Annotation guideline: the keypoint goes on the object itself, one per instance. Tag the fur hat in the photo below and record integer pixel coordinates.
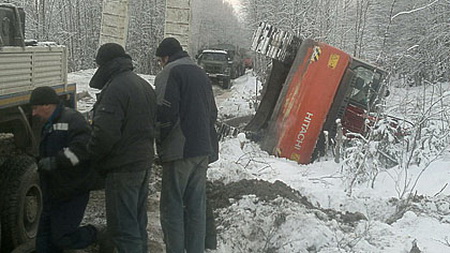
(109, 51)
(168, 47)
(44, 96)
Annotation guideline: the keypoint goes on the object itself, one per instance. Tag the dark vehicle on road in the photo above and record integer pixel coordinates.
(217, 64)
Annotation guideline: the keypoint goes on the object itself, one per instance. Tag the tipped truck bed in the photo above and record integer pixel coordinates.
(305, 101)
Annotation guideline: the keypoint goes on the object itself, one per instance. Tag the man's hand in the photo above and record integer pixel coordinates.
(47, 164)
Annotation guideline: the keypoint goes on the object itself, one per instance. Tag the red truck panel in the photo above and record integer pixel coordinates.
(311, 90)
(353, 120)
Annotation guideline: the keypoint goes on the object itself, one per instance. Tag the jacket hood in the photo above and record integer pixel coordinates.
(106, 71)
(178, 55)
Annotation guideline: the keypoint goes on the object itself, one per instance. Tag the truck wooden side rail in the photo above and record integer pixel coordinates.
(115, 19)
(177, 21)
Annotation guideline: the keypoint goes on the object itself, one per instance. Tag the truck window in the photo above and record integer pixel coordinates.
(214, 57)
(365, 87)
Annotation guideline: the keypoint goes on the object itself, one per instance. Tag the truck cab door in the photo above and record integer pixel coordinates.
(366, 87)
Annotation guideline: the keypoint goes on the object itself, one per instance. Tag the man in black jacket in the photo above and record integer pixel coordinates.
(186, 115)
(121, 146)
(65, 174)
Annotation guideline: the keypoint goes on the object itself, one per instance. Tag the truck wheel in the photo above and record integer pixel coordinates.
(226, 83)
(241, 70)
(233, 73)
(21, 202)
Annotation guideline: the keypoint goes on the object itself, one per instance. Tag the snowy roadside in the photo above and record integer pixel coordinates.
(426, 222)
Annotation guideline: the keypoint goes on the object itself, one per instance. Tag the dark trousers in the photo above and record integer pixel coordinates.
(59, 224)
(126, 210)
(183, 205)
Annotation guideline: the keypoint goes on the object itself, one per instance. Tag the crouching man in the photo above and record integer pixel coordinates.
(64, 173)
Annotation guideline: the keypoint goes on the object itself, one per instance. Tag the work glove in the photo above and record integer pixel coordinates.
(47, 164)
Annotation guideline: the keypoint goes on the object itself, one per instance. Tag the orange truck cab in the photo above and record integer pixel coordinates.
(322, 84)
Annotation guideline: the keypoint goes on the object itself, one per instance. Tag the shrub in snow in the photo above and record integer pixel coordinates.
(393, 142)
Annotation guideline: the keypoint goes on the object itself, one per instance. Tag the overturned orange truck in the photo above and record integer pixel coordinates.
(311, 87)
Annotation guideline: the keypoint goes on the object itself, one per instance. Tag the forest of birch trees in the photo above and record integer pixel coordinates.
(410, 39)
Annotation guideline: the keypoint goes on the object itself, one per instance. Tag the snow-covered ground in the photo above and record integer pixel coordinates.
(281, 225)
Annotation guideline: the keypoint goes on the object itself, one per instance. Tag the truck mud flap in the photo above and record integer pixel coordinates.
(271, 93)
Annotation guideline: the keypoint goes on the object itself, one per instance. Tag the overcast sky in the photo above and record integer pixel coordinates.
(236, 4)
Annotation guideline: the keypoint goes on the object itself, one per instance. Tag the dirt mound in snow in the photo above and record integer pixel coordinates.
(220, 196)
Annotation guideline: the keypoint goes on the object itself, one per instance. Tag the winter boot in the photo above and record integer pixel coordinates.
(104, 241)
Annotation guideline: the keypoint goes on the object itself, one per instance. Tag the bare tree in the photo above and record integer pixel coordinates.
(215, 21)
(145, 31)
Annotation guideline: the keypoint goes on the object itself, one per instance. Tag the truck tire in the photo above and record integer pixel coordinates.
(21, 202)
(241, 70)
(226, 83)
(233, 73)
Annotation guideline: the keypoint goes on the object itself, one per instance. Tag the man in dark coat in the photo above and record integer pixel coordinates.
(65, 174)
(121, 146)
(186, 142)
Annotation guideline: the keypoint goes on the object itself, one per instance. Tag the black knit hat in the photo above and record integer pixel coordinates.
(44, 96)
(168, 47)
(109, 51)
